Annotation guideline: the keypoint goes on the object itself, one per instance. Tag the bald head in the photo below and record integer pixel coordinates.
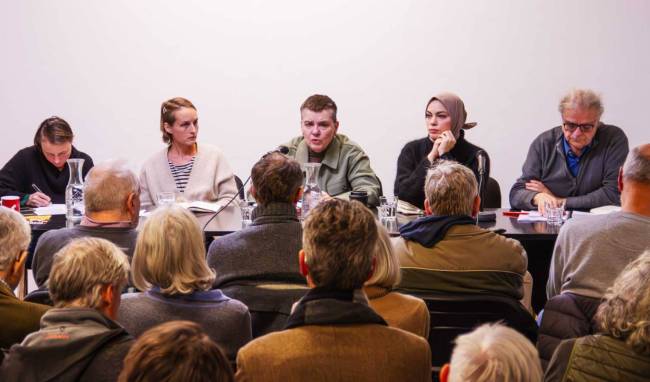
(634, 181)
(637, 165)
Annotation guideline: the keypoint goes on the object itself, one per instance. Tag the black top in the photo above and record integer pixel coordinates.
(412, 166)
(29, 166)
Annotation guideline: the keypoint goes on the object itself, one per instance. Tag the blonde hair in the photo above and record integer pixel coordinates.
(15, 235)
(450, 189)
(624, 313)
(339, 240)
(167, 110)
(82, 268)
(387, 273)
(170, 253)
(583, 99)
(494, 352)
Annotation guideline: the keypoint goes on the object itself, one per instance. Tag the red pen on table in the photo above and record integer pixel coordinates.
(514, 214)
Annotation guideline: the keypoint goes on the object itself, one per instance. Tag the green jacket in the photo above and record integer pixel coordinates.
(597, 358)
(345, 168)
(17, 318)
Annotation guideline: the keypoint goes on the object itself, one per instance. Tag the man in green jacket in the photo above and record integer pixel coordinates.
(345, 167)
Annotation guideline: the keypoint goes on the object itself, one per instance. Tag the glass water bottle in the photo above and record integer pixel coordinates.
(74, 191)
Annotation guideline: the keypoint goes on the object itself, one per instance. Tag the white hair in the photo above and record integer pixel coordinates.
(637, 165)
(108, 186)
(450, 189)
(15, 235)
(494, 352)
(584, 99)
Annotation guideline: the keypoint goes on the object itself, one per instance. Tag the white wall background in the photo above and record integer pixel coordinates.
(247, 65)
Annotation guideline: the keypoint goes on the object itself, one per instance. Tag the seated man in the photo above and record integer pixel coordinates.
(112, 201)
(447, 252)
(576, 163)
(332, 334)
(268, 249)
(17, 318)
(493, 352)
(38, 174)
(78, 340)
(345, 167)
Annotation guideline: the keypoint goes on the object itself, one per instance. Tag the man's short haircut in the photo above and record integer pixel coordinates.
(637, 165)
(167, 110)
(494, 352)
(318, 103)
(55, 130)
(583, 99)
(82, 267)
(623, 314)
(450, 189)
(339, 241)
(108, 186)
(15, 235)
(276, 178)
(170, 253)
(175, 351)
(387, 273)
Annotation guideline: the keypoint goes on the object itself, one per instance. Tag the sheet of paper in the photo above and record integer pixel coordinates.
(52, 209)
(532, 216)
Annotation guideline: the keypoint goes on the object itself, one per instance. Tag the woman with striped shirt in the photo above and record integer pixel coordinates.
(190, 170)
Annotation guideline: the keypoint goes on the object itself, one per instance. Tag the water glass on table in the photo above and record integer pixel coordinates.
(166, 198)
(246, 208)
(387, 209)
(554, 212)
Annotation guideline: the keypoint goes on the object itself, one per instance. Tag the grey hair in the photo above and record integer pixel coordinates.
(387, 273)
(584, 99)
(15, 235)
(170, 253)
(623, 314)
(82, 268)
(108, 186)
(450, 189)
(494, 352)
(637, 165)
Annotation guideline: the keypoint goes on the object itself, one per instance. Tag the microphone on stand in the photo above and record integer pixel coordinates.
(284, 150)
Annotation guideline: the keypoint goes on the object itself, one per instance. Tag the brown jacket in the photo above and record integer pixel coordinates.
(17, 318)
(400, 310)
(359, 352)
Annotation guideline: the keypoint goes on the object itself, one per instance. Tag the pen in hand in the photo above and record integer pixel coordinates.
(42, 197)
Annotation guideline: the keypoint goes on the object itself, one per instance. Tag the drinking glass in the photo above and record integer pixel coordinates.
(554, 212)
(165, 198)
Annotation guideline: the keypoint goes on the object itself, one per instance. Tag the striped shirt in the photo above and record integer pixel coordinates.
(181, 173)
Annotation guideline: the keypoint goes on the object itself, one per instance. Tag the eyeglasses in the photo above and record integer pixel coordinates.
(585, 127)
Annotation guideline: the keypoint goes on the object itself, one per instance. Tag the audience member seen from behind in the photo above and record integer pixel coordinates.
(446, 252)
(169, 266)
(621, 351)
(345, 167)
(267, 250)
(399, 310)
(492, 352)
(189, 170)
(112, 207)
(17, 318)
(43, 165)
(79, 339)
(444, 119)
(575, 163)
(175, 351)
(332, 333)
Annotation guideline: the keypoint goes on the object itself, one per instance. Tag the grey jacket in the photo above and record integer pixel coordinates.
(345, 168)
(265, 251)
(596, 183)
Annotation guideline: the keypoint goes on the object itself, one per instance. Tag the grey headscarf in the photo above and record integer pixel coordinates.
(456, 109)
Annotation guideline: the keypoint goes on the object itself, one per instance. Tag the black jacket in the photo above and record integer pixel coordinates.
(29, 166)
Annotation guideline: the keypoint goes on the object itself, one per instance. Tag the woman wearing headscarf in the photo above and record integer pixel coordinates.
(445, 120)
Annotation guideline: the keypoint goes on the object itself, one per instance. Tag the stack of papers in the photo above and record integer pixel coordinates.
(531, 216)
(52, 209)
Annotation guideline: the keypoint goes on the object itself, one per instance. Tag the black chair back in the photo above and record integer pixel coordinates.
(39, 296)
(492, 194)
(453, 315)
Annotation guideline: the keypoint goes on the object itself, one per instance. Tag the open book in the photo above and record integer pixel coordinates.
(198, 206)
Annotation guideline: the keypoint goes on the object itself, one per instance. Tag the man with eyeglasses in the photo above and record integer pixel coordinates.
(575, 164)
(345, 167)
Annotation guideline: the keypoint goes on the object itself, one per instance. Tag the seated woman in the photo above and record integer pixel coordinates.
(621, 352)
(445, 122)
(169, 265)
(399, 310)
(43, 165)
(191, 171)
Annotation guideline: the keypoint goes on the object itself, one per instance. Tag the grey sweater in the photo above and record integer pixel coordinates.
(590, 252)
(51, 241)
(267, 250)
(596, 183)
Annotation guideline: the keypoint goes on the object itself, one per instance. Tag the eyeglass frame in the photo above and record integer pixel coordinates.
(584, 127)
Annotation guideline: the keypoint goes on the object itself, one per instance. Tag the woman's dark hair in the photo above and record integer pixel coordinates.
(56, 130)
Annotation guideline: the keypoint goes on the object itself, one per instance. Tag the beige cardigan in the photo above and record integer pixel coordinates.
(211, 179)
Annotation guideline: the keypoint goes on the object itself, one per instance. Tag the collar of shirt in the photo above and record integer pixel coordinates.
(88, 222)
(573, 161)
